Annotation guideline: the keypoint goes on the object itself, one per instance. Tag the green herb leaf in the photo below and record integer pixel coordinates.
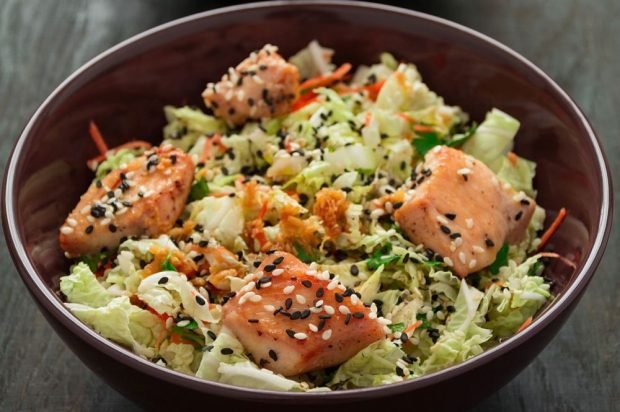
(460, 138)
(426, 141)
(93, 261)
(534, 268)
(302, 254)
(199, 190)
(501, 259)
(432, 263)
(198, 340)
(424, 319)
(397, 327)
(167, 265)
(379, 257)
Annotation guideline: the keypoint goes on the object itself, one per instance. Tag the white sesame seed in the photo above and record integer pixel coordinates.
(441, 219)
(256, 298)
(332, 285)
(469, 222)
(265, 285)
(288, 289)
(311, 272)
(245, 297)
(257, 79)
(373, 307)
(440, 315)
(319, 303)
(464, 171)
(478, 249)
(448, 261)
(300, 336)
(429, 315)
(300, 299)
(458, 241)
(385, 321)
(354, 299)
(248, 287)
(472, 263)
(269, 308)
(313, 327)
(277, 272)
(327, 334)
(183, 323)
(376, 214)
(85, 210)
(343, 309)
(462, 257)
(105, 222)
(452, 246)
(324, 275)
(90, 219)
(65, 230)
(372, 315)
(329, 310)
(72, 222)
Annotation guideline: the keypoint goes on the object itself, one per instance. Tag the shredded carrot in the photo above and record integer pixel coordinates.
(263, 210)
(559, 257)
(374, 89)
(525, 324)
(176, 338)
(544, 239)
(405, 117)
(367, 119)
(423, 128)
(413, 327)
(95, 134)
(134, 144)
(513, 158)
(304, 100)
(326, 79)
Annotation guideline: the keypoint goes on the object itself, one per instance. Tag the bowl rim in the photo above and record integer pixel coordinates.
(46, 298)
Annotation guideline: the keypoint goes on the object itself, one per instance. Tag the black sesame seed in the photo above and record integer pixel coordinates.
(250, 102)
(355, 270)
(397, 205)
(450, 309)
(97, 211)
(99, 184)
(519, 215)
(273, 355)
(358, 315)
(162, 281)
(450, 216)
(321, 323)
(320, 292)
(89, 229)
(455, 235)
(269, 268)
(404, 337)
(406, 258)
(525, 202)
(278, 260)
(288, 303)
(303, 198)
(347, 319)
(325, 316)
(204, 243)
(306, 283)
(445, 229)
(400, 372)
(339, 297)
(211, 334)
(489, 242)
(264, 279)
(112, 227)
(173, 159)
(290, 333)
(270, 252)
(305, 313)
(200, 300)
(256, 263)
(198, 257)
(348, 292)
(295, 315)
(226, 351)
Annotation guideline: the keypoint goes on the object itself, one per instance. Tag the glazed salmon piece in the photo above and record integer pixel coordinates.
(462, 211)
(263, 85)
(145, 197)
(294, 321)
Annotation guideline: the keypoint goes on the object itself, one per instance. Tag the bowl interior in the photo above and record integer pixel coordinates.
(125, 91)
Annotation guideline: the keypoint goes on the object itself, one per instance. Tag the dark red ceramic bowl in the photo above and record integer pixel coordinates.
(125, 88)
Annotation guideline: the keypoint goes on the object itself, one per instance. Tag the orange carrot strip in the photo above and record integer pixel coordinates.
(303, 101)
(326, 79)
(95, 134)
(263, 211)
(413, 327)
(423, 128)
(552, 229)
(559, 257)
(513, 158)
(525, 324)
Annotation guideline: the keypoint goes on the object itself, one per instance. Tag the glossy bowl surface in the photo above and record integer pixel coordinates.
(125, 88)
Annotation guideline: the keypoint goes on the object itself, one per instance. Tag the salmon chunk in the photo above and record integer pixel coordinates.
(462, 211)
(263, 85)
(292, 320)
(144, 197)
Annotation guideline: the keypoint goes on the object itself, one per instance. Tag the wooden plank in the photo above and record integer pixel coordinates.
(575, 41)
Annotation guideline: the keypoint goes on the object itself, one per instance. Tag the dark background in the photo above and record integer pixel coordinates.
(575, 41)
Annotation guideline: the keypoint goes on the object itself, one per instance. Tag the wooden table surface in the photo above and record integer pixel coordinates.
(577, 42)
